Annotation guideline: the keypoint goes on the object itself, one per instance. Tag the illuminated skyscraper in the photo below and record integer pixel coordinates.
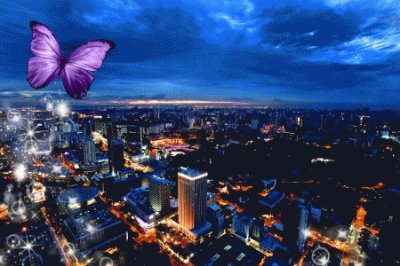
(295, 222)
(89, 151)
(159, 194)
(192, 198)
(303, 225)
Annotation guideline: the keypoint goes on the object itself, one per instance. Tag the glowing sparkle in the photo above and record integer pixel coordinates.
(72, 200)
(307, 233)
(62, 109)
(323, 260)
(20, 172)
(21, 210)
(342, 234)
(57, 169)
(69, 249)
(49, 106)
(106, 261)
(28, 246)
(16, 119)
(31, 133)
(70, 252)
(90, 228)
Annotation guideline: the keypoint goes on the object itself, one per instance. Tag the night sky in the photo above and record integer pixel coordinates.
(318, 52)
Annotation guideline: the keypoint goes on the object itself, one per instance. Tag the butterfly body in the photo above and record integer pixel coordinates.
(75, 70)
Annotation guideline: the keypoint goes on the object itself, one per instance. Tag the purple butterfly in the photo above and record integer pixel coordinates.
(76, 69)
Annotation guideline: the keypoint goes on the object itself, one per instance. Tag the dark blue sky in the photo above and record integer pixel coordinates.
(327, 52)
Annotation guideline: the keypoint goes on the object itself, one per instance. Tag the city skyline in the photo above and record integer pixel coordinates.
(200, 133)
(332, 54)
(198, 186)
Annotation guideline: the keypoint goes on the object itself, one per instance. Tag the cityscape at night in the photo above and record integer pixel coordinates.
(200, 133)
(199, 185)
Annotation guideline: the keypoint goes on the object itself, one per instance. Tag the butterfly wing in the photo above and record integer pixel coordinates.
(77, 72)
(76, 81)
(45, 66)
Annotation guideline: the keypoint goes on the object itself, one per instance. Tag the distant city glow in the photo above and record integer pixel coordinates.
(182, 102)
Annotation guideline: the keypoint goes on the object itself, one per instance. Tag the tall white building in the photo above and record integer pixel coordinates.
(303, 225)
(159, 190)
(192, 198)
(89, 152)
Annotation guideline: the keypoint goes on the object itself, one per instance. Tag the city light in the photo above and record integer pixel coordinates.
(228, 199)
(216, 133)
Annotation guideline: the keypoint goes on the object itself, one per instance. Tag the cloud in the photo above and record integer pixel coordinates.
(297, 51)
(112, 13)
(307, 27)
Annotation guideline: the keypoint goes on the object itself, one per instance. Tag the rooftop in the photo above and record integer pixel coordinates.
(272, 199)
(191, 173)
(227, 250)
(159, 180)
(269, 242)
(215, 207)
(78, 195)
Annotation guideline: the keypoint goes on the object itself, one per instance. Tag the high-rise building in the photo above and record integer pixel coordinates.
(192, 198)
(295, 222)
(299, 121)
(241, 224)
(117, 154)
(159, 195)
(216, 217)
(303, 225)
(88, 125)
(257, 229)
(89, 151)
(110, 135)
